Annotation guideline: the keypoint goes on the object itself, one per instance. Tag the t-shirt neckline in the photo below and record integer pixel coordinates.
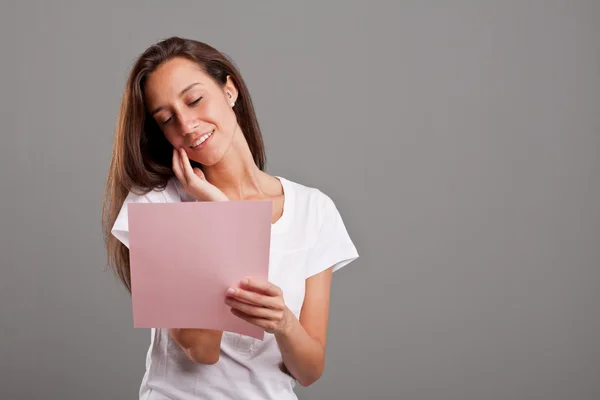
(288, 205)
(282, 224)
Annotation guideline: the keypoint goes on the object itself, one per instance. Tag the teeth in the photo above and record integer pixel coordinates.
(202, 139)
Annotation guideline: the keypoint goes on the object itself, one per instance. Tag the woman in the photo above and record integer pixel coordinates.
(187, 131)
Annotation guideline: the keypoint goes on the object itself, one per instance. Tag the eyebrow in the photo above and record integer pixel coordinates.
(157, 109)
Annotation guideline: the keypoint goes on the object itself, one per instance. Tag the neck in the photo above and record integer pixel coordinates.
(236, 174)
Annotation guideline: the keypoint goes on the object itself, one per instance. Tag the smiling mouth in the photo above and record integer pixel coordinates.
(202, 139)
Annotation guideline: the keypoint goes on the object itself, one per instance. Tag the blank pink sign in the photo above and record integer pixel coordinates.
(184, 256)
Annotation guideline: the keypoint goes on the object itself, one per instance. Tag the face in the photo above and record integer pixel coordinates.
(193, 111)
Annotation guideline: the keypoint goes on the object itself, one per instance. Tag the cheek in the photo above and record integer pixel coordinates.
(219, 115)
(173, 137)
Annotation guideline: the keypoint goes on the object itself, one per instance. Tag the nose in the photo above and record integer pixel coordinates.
(189, 122)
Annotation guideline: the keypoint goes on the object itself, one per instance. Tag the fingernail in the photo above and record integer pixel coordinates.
(245, 281)
(231, 290)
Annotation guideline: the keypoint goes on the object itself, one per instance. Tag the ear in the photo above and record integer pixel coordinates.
(230, 90)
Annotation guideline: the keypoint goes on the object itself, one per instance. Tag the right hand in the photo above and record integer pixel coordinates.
(193, 180)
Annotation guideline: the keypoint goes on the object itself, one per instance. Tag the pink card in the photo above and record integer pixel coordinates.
(184, 256)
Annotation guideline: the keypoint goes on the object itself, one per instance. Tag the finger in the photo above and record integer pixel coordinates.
(259, 299)
(174, 158)
(267, 325)
(261, 286)
(199, 173)
(185, 162)
(177, 167)
(254, 311)
(182, 154)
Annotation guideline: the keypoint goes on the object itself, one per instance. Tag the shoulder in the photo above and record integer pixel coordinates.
(317, 218)
(310, 199)
(311, 207)
(171, 193)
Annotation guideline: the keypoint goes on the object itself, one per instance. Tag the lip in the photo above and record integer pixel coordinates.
(203, 143)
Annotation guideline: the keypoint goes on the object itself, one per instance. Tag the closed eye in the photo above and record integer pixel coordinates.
(195, 101)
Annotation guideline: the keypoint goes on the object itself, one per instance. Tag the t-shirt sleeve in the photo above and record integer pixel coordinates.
(333, 248)
(120, 228)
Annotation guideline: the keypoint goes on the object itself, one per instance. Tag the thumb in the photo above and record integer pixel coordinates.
(198, 172)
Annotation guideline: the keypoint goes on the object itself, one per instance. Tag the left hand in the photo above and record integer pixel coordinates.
(260, 303)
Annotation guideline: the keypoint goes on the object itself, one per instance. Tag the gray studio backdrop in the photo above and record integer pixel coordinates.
(460, 141)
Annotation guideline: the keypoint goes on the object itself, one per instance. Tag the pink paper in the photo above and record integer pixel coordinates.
(184, 256)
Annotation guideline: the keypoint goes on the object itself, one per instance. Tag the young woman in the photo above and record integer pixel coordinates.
(187, 131)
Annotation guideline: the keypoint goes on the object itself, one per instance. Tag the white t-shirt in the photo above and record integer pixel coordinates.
(308, 238)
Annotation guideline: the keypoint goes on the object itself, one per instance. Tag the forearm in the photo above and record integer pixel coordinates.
(202, 346)
(303, 355)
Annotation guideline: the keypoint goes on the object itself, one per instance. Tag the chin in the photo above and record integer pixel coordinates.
(210, 154)
(207, 160)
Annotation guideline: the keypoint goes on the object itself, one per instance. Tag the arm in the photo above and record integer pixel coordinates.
(202, 346)
(303, 344)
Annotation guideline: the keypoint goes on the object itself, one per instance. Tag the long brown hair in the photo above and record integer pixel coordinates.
(141, 155)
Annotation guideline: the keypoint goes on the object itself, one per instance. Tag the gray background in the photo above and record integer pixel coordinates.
(460, 142)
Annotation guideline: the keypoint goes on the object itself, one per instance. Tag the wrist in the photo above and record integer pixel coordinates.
(288, 324)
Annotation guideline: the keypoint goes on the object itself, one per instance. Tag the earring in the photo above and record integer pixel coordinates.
(232, 104)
